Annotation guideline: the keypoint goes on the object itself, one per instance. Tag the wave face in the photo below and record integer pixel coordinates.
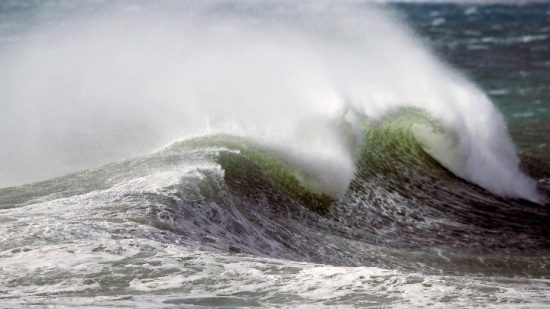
(233, 194)
(268, 154)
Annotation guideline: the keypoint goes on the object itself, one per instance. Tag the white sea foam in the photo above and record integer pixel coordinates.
(80, 275)
(90, 90)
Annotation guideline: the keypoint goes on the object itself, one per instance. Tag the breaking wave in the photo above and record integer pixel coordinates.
(289, 79)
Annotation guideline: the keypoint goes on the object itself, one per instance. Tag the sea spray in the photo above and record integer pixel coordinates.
(90, 90)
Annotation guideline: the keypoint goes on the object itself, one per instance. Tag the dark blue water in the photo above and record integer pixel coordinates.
(505, 49)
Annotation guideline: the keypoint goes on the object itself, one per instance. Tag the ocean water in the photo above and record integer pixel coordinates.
(270, 154)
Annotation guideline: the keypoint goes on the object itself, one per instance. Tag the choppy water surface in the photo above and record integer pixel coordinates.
(422, 204)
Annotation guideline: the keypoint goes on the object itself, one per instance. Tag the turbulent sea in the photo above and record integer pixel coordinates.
(235, 154)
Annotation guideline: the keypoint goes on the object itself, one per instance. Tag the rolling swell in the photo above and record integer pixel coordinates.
(402, 210)
(400, 199)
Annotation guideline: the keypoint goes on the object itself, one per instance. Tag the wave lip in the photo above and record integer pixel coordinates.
(496, 170)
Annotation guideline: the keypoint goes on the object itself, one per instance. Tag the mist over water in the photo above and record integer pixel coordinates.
(274, 154)
(88, 90)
